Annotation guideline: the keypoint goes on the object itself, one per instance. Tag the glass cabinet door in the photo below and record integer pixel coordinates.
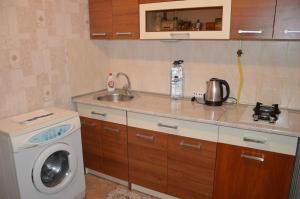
(189, 19)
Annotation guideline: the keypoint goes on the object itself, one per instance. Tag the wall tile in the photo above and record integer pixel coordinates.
(34, 55)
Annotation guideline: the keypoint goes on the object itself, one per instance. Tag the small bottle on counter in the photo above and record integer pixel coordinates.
(177, 80)
(110, 84)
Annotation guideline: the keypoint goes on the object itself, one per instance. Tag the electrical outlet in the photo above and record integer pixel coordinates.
(197, 94)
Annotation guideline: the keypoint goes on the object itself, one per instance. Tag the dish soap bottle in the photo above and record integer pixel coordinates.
(110, 83)
(177, 80)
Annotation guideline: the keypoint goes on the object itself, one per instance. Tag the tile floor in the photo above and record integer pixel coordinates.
(99, 188)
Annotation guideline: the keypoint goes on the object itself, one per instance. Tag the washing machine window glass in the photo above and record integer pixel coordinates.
(54, 169)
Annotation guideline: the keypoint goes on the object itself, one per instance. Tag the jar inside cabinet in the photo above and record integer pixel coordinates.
(185, 20)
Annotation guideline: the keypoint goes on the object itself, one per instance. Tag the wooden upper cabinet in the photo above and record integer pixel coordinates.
(287, 20)
(100, 19)
(252, 19)
(250, 173)
(125, 19)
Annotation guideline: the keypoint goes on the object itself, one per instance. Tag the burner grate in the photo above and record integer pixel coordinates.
(267, 113)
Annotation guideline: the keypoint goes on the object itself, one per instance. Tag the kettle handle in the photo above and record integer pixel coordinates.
(225, 83)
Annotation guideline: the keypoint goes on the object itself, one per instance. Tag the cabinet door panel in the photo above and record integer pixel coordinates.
(91, 143)
(249, 173)
(92, 161)
(125, 19)
(191, 164)
(147, 151)
(100, 19)
(252, 15)
(287, 19)
(114, 150)
(155, 1)
(90, 133)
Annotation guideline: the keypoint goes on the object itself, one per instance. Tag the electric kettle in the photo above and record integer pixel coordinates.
(214, 92)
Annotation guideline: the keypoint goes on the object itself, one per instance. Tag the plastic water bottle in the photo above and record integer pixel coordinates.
(177, 80)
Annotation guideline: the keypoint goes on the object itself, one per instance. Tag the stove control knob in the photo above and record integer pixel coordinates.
(272, 119)
(255, 117)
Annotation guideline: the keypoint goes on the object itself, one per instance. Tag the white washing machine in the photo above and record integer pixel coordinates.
(41, 156)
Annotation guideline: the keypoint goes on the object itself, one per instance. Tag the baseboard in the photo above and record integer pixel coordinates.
(133, 186)
(107, 177)
(151, 192)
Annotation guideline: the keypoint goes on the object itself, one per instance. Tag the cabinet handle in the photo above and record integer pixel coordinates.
(250, 157)
(194, 146)
(99, 34)
(246, 139)
(124, 33)
(112, 129)
(291, 31)
(145, 137)
(167, 126)
(101, 114)
(92, 125)
(179, 34)
(250, 31)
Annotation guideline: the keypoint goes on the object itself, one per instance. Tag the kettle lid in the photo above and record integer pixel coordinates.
(214, 79)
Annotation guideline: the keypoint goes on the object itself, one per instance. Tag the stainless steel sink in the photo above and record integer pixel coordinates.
(115, 97)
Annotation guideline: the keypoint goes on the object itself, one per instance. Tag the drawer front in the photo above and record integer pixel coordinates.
(101, 113)
(258, 140)
(147, 152)
(191, 164)
(173, 126)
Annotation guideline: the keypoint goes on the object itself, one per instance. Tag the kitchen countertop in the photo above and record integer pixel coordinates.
(237, 116)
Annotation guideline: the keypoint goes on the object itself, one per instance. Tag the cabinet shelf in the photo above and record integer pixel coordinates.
(185, 20)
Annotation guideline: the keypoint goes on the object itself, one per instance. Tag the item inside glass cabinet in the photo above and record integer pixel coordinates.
(188, 19)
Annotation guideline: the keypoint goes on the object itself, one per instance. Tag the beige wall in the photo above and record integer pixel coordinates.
(271, 69)
(40, 41)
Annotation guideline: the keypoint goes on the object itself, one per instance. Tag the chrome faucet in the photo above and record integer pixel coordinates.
(126, 87)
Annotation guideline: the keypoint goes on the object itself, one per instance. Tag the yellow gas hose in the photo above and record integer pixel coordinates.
(240, 68)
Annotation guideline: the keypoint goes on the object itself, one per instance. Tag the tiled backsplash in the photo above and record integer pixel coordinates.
(271, 69)
(37, 47)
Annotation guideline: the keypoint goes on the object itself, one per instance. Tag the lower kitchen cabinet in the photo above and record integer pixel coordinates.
(191, 165)
(147, 151)
(250, 173)
(91, 143)
(105, 147)
(114, 150)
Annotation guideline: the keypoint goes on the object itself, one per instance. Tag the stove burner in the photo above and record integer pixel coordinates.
(268, 113)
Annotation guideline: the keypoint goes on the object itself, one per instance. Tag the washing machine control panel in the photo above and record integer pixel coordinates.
(50, 134)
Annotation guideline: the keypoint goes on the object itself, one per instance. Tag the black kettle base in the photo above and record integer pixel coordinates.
(209, 103)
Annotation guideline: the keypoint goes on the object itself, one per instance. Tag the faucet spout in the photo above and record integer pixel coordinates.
(126, 87)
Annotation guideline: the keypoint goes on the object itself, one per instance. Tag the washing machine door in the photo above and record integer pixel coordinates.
(54, 169)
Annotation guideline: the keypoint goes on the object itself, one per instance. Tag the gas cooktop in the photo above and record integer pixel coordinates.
(267, 113)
